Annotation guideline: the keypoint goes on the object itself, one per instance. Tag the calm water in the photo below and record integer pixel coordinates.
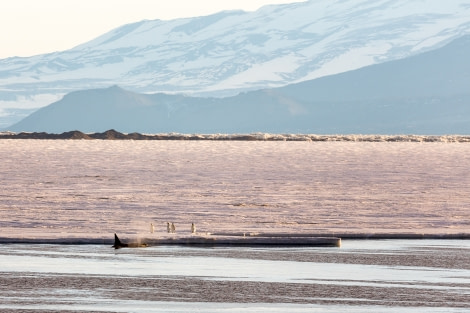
(362, 276)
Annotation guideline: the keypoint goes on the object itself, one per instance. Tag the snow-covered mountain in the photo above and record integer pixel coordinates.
(424, 94)
(234, 51)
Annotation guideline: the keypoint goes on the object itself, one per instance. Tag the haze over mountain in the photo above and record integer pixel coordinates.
(425, 94)
(235, 51)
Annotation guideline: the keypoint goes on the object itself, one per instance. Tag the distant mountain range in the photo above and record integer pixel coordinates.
(425, 94)
(234, 51)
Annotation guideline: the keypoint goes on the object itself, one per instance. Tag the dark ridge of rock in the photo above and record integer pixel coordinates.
(138, 136)
(115, 135)
(35, 135)
(109, 135)
(245, 138)
(75, 134)
(43, 135)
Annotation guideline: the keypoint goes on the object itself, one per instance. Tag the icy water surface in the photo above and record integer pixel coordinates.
(362, 276)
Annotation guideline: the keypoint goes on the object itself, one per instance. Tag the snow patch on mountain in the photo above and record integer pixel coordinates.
(234, 51)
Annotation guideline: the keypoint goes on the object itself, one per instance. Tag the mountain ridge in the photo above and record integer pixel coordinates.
(235, 51)
(397, 97)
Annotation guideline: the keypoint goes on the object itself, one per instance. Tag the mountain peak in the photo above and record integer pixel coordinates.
(115, 88)
(230, 52)
(424, 94)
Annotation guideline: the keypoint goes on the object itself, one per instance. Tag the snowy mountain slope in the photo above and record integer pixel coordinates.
(234, 51)
(424, 94)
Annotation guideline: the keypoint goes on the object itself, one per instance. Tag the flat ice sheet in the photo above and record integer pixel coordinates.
(91, 189)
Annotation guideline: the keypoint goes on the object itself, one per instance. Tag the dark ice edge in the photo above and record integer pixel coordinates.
(188, 241)
(235, 239)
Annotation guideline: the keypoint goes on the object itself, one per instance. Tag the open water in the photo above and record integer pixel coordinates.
(361, 276)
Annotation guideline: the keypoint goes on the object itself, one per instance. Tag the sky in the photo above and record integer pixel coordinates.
(30, 27)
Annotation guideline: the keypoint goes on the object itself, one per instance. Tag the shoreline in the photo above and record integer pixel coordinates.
(115, 135)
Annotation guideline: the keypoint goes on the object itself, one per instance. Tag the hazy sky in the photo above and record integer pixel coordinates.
(29, 27)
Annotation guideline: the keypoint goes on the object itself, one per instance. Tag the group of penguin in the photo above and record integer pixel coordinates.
(170, 228)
